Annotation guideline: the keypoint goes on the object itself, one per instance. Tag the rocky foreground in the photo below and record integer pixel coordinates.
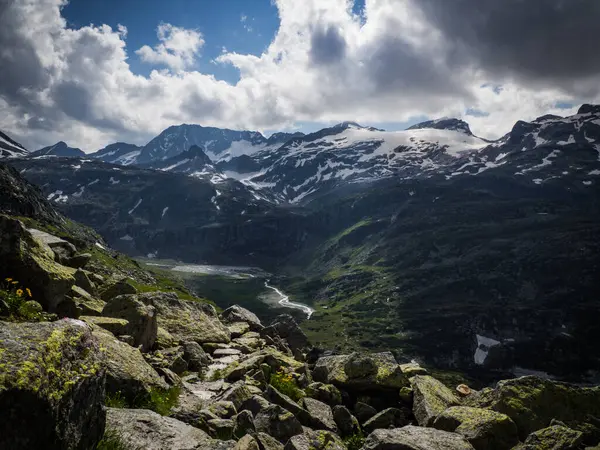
(96, 353)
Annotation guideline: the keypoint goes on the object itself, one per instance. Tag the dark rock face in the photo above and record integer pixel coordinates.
(286, 328)
(51, 386)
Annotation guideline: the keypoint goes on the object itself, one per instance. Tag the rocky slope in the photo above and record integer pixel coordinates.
(139, 367)
(10, 148)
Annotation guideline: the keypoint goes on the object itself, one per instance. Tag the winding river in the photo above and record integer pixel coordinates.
(285, 301)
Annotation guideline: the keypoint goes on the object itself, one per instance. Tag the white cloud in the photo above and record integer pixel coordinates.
(243, 18)
(324, 64)
(178, 48)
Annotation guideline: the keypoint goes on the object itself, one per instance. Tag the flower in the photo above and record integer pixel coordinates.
(8, 279)
(28, 292)
(19, 292)
(15, 282)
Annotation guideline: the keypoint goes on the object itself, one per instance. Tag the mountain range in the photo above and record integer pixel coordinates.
(430, 242)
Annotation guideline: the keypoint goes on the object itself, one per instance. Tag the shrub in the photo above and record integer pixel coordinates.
(162, 401)
(285, 383)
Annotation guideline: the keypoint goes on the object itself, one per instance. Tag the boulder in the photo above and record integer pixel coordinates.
(484, 429)
(172, 358)
(89, 306)
(237, 329)
(195, 356)
(320, 414)
(62, 249)
(412, 369)
(315, 440)
(285, 327)
(221, 429)
(120, 287)
(143, 325)
(332, 370)
(388, 418)
(51, 386)
(187, 320)
(223, 409)
(556, 437)
(237, 394)
(250, 362)
(31, 261)
(277, 398)
(127, 371)
(277, 422)
(363, 411)
(236, 313)
(78, 261)
(247, 443)
(140, 428)
(164, 339)
(255, 404)
(243, 424)
(415, 438)
(118, 327)
(83, 281)
(430, 398)
(327, 393)
(267, 442)
(532, 402)
(347, 424)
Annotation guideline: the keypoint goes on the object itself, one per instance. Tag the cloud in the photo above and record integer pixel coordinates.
(178, 48)
(399, 59)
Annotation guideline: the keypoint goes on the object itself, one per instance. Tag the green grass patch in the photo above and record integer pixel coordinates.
(355, 442)
(162, 401)
(113, 441)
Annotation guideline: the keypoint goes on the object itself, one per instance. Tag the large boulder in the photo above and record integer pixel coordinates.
(128, 374)
(377, 371)
(315, 440)
(236, 313)
(267, 442)
(277, 422)
(285, 327)
(327, 393)
(532, 402)
(51, 386)
(346, 423)
(141, 316)
(415, 438)
(430, 398)
(556, 437)
(140, 428)
(484, 429)
(195, 356)
(187, 320)
(119, 287)
(321, 416)
(30, 260)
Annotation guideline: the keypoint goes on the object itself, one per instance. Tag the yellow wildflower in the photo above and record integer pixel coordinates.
(19, 292)
(9, 279)
(15, 282)
(28, 292)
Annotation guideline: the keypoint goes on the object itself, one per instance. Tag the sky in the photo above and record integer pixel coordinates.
(93, 72)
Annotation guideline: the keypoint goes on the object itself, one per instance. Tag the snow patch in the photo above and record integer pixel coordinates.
(139, 202)
(126, 238)
(164, 212)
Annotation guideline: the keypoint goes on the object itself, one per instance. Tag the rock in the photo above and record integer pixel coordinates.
(388, 418)
(415, 438)
(321, 416)
(237, 329)
(285, 327)
(223, 409)
(277, 422)
(127, 371)
(51, 386)
(121, 287)
(332, 370)
(89, 306)
(412, 369)
(532, 402)
(315, 440)
(250, 363)
(237, 394)
(247, 443)
(276, 397)
(187, 320)
(195, 356)
(31, 261)
(61, 248)
(82, 281)
(484, 429)
(220, 352)
(173, 358)
(243, 424)
(78, 261)
(430, 398)
(236, 313)
(267, 442)
(360, 366)
(406, 395)
(255, 404)
(140, 428)
(221, 429)
(143, 325)
(555, 437)
(326, 393)
(346, 423)
(169, 376)
(364, 412)
(463, 390)
(164, 339)
(118, 327)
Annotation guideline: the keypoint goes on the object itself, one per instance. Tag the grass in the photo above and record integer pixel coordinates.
(113, 441)
(115, 401)
(355, 442)
(160, 401)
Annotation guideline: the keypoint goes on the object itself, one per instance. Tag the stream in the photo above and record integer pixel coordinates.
(285, 301)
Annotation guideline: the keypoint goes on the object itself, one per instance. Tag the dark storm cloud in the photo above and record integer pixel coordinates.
(555, 41)
(327, 46)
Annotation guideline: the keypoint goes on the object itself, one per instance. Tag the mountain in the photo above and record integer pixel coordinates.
(59, 149)
(10, 148)
(119, 153)
(192, 161)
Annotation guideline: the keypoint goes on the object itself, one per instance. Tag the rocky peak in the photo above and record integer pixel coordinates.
(589, 109)
(444, 124)
(282, 138)
(10, 147)
(59, 149)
